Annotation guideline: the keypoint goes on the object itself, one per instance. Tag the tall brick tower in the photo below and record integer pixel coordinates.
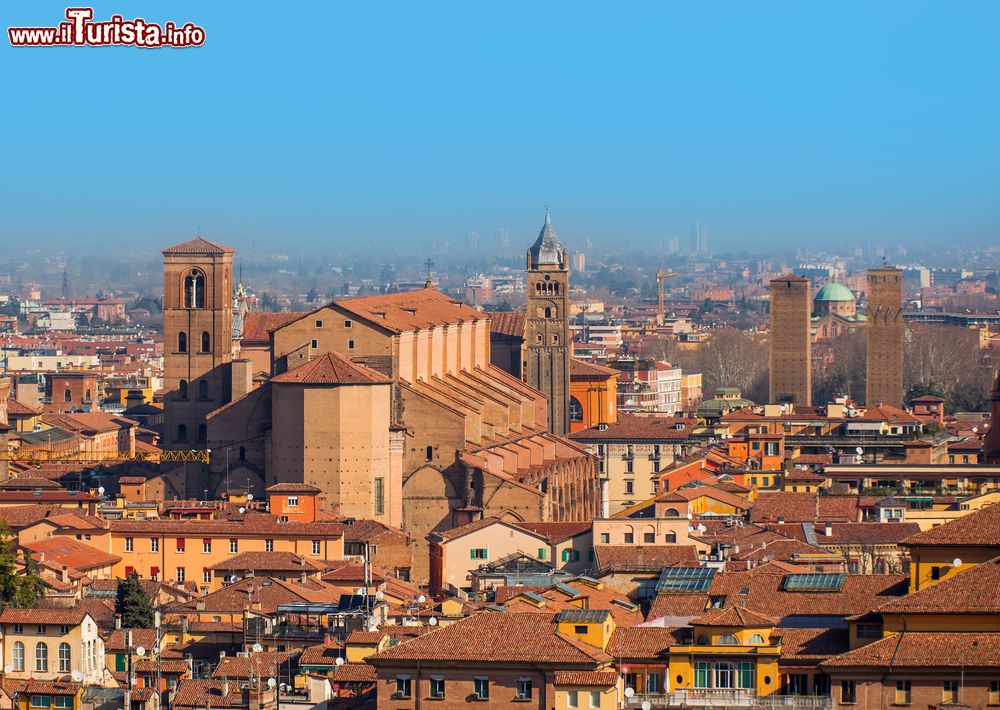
(991, 446)
(884, 367)
(791, 341)
(546, 330)
(197, 338)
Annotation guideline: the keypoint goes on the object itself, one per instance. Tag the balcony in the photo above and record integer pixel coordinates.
(723, 699)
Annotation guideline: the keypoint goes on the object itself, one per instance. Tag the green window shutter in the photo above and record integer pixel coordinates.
(472, 553)
(541, 553)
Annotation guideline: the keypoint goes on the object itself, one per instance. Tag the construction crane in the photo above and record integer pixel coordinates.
(661, 277)
(38, 456)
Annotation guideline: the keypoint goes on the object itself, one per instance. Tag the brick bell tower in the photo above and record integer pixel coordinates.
(197, 338)
(546, 330)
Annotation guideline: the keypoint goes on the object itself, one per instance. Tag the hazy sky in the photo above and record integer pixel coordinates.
(361, 123)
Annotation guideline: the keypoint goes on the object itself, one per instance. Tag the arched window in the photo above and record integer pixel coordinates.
(728, 640)
(555, 339)
(575, 410)
(194, 290)
(182, 389)
(87, 396)
(41, 657)
(548, 312)
(202, 434)
(202, 389)
(756, 640)
(67, 395)
(64, 658)
(671, 513)
(429, 452)
(670, 538)
(182, 432)
(206, 342)
(182, 342)
(556, 289)
(18, 656)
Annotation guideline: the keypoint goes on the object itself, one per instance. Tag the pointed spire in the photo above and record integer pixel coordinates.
(547, 249)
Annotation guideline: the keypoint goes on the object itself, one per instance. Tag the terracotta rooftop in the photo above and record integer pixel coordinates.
(62, 617)
(892, 415)
(320, 656)
(198, 245)
(410, 310)
(652, 558)
(805, 507)
(588, 678)
(510, 323)
(801, 646)
(269, 562)
(850, 533)
(980, 649)
(737, 616)
(16, 408)
(330, 369)
(978, 528)
(493, 637)
(196, 693)
(353, 673)
(637, 427)
(972, 591)
(677, 605)
(257, 326)
(642, 642)
(583, 370)
(293, 488)
(63, 550)
(264, 664)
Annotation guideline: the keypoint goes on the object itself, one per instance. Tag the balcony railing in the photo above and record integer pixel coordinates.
(722, 699)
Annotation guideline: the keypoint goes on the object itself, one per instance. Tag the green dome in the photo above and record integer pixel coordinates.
(834, 292)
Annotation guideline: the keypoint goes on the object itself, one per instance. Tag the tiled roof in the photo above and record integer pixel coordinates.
(140, 637)
(892, 415)
(461, 530)
(293, 488)
(804, 507)
(257, 326)
(17, 408)
(410, 310)
(583, 370)
(677, 605)
(196, 693)
(591, 678)
(365, 638)
(267, 594)
(64, 550)
(794, 278)
(26, 483)
(493, 637)
(653, 558)
(811, 645)
(635, 427)
(320, 656)
(39, 687)
(980, 528)
(555, 532)
(330, 369)
(264, 664)
(735, 616)
(979, 649)
(354, 673)
(972, 591)
(67, 617)
(198, 245)
(509, 323)
(642, 642)
(88, 421)
(687, 494)
(269, 562)
(851, 533)
(558, 598)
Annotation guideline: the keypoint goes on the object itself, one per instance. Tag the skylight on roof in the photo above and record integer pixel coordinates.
(685, 579)
(814, 582)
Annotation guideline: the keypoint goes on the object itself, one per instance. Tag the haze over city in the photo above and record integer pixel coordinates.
(332, 125)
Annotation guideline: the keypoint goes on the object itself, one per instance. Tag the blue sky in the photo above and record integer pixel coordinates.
(333, 124)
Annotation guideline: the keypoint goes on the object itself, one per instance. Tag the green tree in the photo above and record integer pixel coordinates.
(17, 590)
(133, 604)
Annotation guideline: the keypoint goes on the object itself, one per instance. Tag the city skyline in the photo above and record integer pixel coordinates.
(832, 125)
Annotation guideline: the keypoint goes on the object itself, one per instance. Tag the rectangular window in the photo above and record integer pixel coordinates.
(316, 547)
(234, 546)
(949, 691)
(180, 574)
(64, 701)
(154, 544)
(481, 688)
(154, 574)
(319, 323)
(478, 553)
(206, 545)
(18, 629)
(541, 553)
(437, 688)
(629, 467)
(379, 496)
(869, 631)
(572, 699)
(524, 688)
(350, 345)
(580, 630)
(268, 545)
(629, 487)
(649, 538)
(994, 692)
(314, 343)
(293, 501)
(724, 675)
(903, 692)
(595, 697)
(935, 572)
(180, 544)
(206, 576)
(347, 324)
(629, 538)
(402, 686)
(605, 538)
(745, 675)
(41, 629)
(129, 547)
(652, 684)
(41, 701)
(702, 674)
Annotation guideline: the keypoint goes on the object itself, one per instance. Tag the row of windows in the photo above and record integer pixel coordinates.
(182, 433)
(87, 397)
(206, 546)
(41, 629)
(182, 342)
(648, 538)
(42, 657)
(51, 701)
(182, 389)
(481, 690)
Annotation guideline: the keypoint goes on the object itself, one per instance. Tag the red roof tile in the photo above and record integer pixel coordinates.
(198, 245)
(642, 642)
(510, 323)
(979, 528)
(589, 678)
(738, 616)
(257, 326)
(331, 369)
(653, 558)
(410, 310)
(980, 649)
(636, 427)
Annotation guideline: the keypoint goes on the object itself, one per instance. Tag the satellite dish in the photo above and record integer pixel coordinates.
(257, 648)
(339, 661)
(373, 620)
(433, 621)
(646, 705)
(271, 682)
(242, 510)
(380, 595)
(101, 490)
(858, 450)
(8, 669)
(282, 687)
(690, 517)
(249, 496)
(957, 562)
(421, 599)
(140, 651)
(629, 692)
(76, 675)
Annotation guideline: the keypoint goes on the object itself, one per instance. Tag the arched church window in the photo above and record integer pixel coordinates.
(194, 290)
(575, 410)
(182, 342)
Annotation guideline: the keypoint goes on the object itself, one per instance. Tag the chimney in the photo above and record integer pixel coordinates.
(781, 519)
(303, 577)
(64, 575)
(225, 687)
(242, 374)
